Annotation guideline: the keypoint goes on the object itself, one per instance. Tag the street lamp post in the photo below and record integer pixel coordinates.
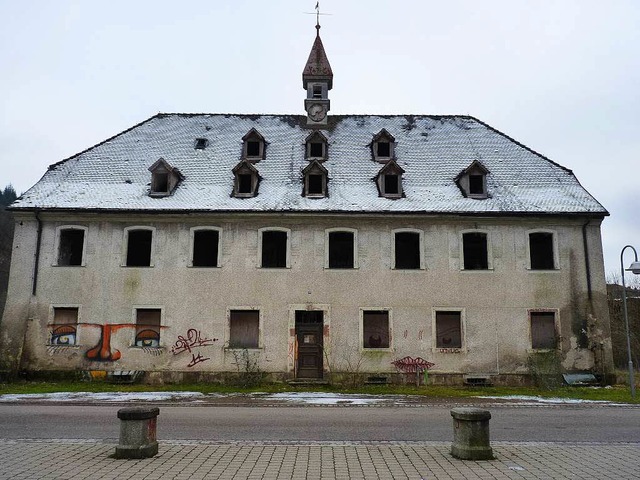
(634, 268)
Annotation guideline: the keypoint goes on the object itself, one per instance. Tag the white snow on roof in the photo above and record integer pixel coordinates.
(432, 150)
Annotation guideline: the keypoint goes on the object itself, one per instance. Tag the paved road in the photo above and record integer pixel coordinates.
(424, 423)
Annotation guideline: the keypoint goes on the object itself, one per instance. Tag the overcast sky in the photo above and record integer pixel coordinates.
(562, 77)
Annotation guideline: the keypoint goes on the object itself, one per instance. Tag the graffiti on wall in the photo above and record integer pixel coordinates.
(192, 340)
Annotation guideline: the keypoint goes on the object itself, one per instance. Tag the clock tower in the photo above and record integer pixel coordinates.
(317, 80)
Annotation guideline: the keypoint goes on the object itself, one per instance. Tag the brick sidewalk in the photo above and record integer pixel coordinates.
(79, 459)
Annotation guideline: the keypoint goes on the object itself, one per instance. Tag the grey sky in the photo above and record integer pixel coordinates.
(562, 77)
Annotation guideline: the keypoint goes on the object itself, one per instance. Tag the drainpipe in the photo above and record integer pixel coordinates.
(586, 257)
(38, 241)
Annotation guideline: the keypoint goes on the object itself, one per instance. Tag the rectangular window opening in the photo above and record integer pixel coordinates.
(476, 184)
(543, 330)
(274, 249)
(245, 181)
(392, 184)
(148, 327)
(253, 148)
(475, 251)
(70, 248)
(160, 182)
(384, 149)
(341, 250)
(317, 91)
(205, 248)
(201, 143)
(407, 250)
(315, 185)
(244, 328)
(139, 248)
(316, 149)
(375, 329)
(448, 330)
(541, 251)
(65, 325)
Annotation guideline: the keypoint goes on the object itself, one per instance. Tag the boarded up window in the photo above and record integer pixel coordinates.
(148, 327)
(274, 249)
(375, 329)
(244, 328)
(474, 246)
(543, 330)
(139, 248)
(448, 330)
(341, 249)
(70, 247)
(541, 251)
(205, 248)
(65, 325)
(407, 250)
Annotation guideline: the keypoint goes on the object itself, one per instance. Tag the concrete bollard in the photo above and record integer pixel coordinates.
(137, 432)
(471, 434)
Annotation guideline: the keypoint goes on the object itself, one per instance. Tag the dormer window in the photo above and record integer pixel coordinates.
(201, 143)
(383, 146)
(315, 180)
(389, 180)
(472, 181)
(317, 91)
(164, 178)
(316, 146)
(246, 179)
(253, 147)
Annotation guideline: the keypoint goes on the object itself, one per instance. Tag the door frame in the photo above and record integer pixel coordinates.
(326, 330)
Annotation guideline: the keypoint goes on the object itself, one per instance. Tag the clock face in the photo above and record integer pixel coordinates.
(317, 112)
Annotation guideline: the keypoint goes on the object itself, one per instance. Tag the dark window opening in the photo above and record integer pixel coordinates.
(475, 251)
(160, 182)
(71, 246)
(392, 184)
(541, 251)
(375, 329)
(543, 330)
(341, 249)
(64, 328)
(147, 327)
(476, 184)
(274, 249)
(201, 143)
(205, 248)
(253, 148)
(317, 91)
(407, 250)
(316, 149)
(448, 330)
(244, 328)
(315, 185)
(139, 248)
(245, 181)
(384, 149)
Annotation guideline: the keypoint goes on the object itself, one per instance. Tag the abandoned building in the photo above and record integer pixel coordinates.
(307, 246)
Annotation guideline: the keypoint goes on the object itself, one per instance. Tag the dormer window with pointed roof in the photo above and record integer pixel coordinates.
(316, 147)
(253, 146)
(315, 180)
(383, 146)
(246, 180)
(389, 180)
(472, 181)
(164, 178)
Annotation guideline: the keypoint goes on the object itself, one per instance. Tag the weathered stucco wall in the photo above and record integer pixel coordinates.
(495, 303)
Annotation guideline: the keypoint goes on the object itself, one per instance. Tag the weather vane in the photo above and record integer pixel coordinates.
(317, 14)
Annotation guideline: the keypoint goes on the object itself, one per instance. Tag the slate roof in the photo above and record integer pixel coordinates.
(432, 150)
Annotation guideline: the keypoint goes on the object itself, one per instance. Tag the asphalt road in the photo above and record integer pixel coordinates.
(424, 423)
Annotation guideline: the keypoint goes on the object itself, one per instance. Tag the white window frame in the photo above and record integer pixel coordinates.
(56, 246)
(192, 232)
(556, 256)
(52, 316)
(463, 328)
(421, 246)
(361, 329)
(227, 331)
(556, 326)
(134, 321)
(288, 254)
(489, 250)
(355, 248)
(125, 245)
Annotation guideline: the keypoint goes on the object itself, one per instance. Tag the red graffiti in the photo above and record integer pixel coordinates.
(193, 339)
(195, 359)
(412, 365)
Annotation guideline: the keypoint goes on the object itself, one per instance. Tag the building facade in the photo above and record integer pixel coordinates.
(307, 245)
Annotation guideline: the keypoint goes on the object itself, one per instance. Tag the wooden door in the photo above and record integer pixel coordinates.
(309, 330)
